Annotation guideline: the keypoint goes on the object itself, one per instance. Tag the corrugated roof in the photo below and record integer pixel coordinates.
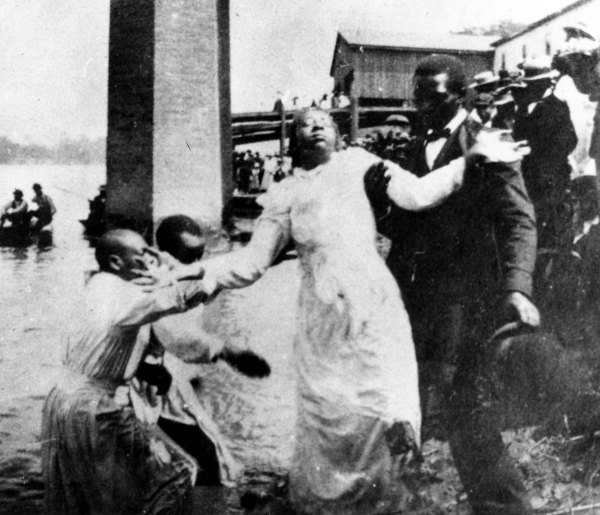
(421, 41)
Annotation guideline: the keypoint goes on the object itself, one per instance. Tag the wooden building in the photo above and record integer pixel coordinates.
(543, 37)
(377, 67)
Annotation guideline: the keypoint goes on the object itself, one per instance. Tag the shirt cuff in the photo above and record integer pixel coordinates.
(519, 280)
(210, 284)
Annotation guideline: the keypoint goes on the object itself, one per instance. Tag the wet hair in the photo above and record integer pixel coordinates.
(170, 229)
(441, 63)
(294, 149)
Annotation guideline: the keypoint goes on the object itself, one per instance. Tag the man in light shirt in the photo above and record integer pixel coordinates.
(97, 457)
(15, 211)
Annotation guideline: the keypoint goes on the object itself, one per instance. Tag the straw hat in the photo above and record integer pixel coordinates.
(538, 68)
(484, 80)
(397, 119)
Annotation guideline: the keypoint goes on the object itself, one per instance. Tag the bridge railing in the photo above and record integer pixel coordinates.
(266, 125)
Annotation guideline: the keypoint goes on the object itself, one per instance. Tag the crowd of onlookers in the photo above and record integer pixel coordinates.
(452, 315)
(253, 173)
(539, 102)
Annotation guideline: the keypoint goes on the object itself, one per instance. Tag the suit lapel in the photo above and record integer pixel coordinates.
(448, 150)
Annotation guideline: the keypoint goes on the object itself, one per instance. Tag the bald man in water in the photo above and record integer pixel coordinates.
(97, 457)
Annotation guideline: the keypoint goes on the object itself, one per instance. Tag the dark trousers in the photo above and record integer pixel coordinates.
(192, 440)
(468, 417)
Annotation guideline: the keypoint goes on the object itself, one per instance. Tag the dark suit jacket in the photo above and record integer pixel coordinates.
(551, 136)
(480, 241)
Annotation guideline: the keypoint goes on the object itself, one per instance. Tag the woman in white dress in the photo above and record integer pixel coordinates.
(358, 402)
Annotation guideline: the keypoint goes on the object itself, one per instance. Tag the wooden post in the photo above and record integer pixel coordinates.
(282, 131)
(354, 119)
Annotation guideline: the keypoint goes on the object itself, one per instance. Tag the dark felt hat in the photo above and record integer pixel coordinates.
(583, 185)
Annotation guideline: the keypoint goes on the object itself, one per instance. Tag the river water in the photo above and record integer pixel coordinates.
(38, 285)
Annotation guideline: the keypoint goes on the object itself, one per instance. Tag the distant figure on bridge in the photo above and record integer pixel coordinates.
(335, 99)
(339, 99)
(43, 215)
(324, 103)
(344, 100)
(15, 211)
(279, 106)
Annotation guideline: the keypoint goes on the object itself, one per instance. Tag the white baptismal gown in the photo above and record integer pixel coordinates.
(354, 353)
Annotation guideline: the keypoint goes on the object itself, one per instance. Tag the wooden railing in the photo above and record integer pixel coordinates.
(268, 125)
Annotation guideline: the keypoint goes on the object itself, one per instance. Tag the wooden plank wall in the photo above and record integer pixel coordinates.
(384, 74)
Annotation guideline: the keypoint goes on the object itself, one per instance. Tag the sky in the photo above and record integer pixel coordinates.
(54, 53)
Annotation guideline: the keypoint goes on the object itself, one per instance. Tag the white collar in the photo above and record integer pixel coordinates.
(475, 116)
(587, 225)
(452, 125)
(459, 118)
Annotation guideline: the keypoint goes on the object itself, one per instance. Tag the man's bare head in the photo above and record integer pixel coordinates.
(121, 252)
(182, 237)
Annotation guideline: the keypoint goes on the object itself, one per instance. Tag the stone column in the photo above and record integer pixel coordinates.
(169, 120)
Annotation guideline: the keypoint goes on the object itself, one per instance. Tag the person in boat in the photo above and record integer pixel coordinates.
(98, 204)
(97, 456)
(15, 211)
(43, 215)
(96, 220)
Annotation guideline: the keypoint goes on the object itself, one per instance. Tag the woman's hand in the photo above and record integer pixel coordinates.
(376, 182)
(152, 277)
(158, 269)
(400, 438)
(183, 272)
(494, 147)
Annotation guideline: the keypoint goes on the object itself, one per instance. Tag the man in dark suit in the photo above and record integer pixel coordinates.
(454, 264)
(545, 122)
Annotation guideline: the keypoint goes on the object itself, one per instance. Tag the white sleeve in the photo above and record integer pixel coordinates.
(415, 194)
(271, 234)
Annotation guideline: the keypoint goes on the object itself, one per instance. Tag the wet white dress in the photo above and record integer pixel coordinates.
(354, 354)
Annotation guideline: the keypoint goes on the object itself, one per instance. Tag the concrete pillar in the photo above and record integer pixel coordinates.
(169, 118)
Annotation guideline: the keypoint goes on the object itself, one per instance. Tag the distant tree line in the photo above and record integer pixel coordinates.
(81, 150)
(502, 29)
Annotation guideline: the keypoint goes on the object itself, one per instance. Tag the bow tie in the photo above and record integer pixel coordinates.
(433, 135)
